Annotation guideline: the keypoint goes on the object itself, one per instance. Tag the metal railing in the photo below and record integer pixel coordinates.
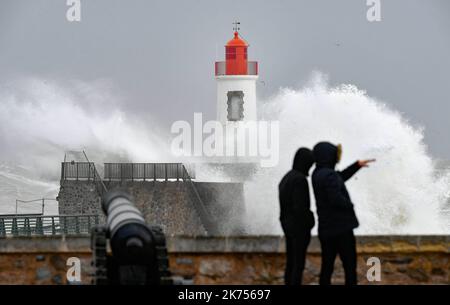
(144, 171)
(208, 220)
(38, 225)
(77, 171)
(41, 201)
(99, 185)
(83, 171)
(221, 68)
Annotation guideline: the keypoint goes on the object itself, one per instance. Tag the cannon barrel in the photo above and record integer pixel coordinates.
(131, 239)
(138, 251)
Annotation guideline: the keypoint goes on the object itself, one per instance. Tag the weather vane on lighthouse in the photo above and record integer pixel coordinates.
(236, 26)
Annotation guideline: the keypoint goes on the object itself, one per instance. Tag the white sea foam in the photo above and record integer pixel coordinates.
(399, 194)
(40, 120)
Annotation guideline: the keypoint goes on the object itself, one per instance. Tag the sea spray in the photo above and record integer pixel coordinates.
(41, 119)
(399, 194)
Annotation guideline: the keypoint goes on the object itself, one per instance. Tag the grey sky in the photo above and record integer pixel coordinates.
(159, 55)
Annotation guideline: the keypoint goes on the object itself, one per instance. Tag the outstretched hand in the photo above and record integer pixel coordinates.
(365, 163)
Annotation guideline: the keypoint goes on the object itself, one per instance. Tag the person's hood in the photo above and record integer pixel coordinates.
(325, 154)
(303, 160)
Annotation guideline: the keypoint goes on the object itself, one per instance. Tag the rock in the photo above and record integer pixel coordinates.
(418, 275)
(437, 271)
(42, 273)
(58, 262)
(40, 258)
(184, 261)
(215, 267)
(57, 280)
(19, 264)
(399, 260)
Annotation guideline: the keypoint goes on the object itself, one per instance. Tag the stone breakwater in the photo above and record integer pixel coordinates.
(165, 204)
(168, 204)
(234, 259)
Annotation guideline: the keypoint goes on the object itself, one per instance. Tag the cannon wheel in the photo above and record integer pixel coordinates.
(100, 258)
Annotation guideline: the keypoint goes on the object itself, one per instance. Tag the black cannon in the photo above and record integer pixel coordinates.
(137, 253)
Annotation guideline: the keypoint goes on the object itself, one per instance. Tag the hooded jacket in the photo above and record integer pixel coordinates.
(334, 206)
(295, 213)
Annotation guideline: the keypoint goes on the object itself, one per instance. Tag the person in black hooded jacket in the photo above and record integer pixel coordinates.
(296, 217)
(337, 217)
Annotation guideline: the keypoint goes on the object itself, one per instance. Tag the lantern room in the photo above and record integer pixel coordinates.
(236, 56)
(236, 59)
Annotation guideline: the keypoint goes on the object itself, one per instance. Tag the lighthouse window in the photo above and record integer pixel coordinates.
(230, 53)
(235, 105)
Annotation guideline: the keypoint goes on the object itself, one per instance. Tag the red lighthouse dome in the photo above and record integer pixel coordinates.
(236, 60)
(236, 41)
(236, 56)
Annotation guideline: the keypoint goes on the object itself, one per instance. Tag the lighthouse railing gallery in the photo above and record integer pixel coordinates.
(221, 68)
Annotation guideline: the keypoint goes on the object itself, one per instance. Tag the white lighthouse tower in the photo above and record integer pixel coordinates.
(236, 106)
(236, 83)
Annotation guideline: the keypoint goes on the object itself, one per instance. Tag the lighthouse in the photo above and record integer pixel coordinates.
(236, 135)
(236, 82)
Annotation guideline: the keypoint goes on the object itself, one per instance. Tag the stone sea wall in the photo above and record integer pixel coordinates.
(165, 204)
(168, 204)
(78, 197)
(234, 259)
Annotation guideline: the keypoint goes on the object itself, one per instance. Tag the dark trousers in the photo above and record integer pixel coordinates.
(296, 246)
(345, 245)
